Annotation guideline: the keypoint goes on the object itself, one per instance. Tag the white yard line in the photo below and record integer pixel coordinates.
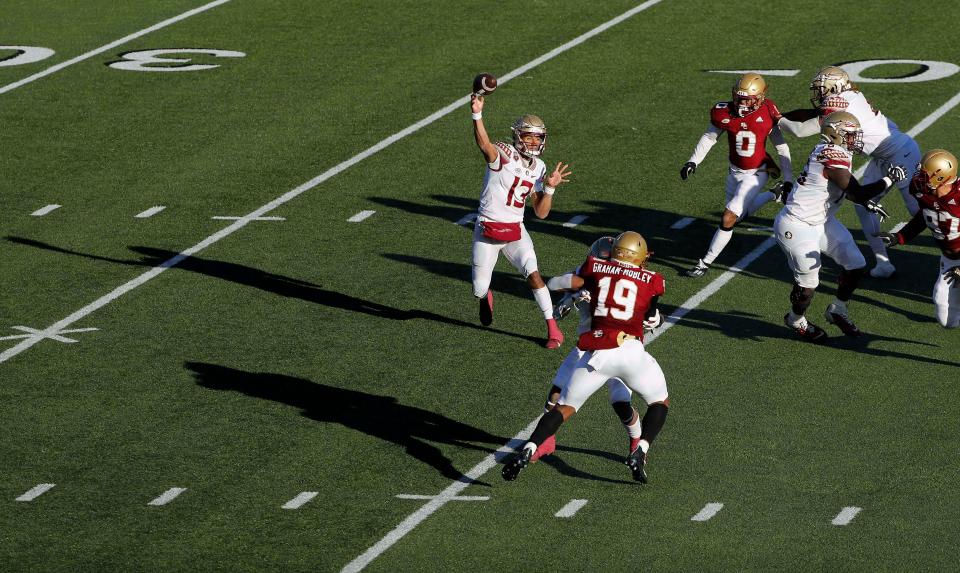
(293, 193)
(168, 496)
(44, 210)
(707, 512)
(150, 212)
(360, 216)
(571, 508)
(107, 47)
(683, 223)
(846, 515)
(300, 500)
(574, 221)
(36, 492)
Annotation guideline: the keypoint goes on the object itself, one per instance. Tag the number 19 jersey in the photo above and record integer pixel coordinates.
(507, 183)
(620, 294)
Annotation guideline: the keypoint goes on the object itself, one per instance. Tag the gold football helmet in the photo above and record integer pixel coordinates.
(529, 124)
(938, 167)
(601, 248)
(829, 81)
(748, 93)
(631, 248)
(842, 128)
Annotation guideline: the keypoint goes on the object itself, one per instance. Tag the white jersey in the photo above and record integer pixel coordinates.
(881, 137)
(507, 183)
(816, 197)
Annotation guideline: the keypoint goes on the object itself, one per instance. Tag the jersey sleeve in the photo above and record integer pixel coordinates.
(773, 110)
(835, 158)
(659, 285)
(718, 113)
(503, 157)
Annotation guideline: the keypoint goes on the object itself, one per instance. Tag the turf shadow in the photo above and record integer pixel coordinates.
(382, 417)
(274, 283)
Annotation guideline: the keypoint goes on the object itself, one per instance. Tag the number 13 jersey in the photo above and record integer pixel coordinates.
(507, 183)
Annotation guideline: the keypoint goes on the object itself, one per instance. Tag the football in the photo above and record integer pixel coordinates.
(484, 84)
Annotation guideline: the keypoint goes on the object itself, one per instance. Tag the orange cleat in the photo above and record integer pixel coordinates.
(546, 448)
(554, 335)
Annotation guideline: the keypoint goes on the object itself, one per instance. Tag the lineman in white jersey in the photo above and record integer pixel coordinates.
(807, 225)
(882, 141)
(513, 173)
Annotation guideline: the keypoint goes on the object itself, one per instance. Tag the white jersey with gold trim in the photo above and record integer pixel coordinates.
(507, 183)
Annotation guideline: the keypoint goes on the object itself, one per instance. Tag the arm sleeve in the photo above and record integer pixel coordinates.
(914, 227)
(800, 128)
(652, 309)
(863, 193)
(783, 150)
(707, 141)
(562, 282)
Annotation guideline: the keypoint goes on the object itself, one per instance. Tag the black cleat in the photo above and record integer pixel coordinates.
(698, 270)
(809, 331)
(486, 309)
(515, 464)
(838, 317)
(637, 460)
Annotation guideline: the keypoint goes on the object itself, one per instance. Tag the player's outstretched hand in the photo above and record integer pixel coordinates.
(877, 208)
(560, 174)
(688, 169)
(889, 239)
(476, 103)
(896, 173)
(953, 277)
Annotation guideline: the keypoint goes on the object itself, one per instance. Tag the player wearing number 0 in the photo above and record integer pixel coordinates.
(514, 173)
(807, 225)
(882, 141)
(623, 301)
(748, 119)
(937, 190)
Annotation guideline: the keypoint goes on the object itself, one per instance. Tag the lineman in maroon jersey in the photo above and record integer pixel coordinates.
(623, 300)
(747, 120)
(937, 190)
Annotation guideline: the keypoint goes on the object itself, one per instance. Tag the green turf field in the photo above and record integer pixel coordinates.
(248, 361)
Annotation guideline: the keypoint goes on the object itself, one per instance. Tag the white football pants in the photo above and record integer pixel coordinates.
(485, 251)
(803, 244)
(617, 390)
(946, 298)
(631, 363)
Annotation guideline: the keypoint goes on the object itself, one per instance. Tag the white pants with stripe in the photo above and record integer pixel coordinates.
(520, 253)
(630, 362)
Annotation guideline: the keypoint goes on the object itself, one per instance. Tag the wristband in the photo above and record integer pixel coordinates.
(477, 116)
(888, 181)
(549, 190)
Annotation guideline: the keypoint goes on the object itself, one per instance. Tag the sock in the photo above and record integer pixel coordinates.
(546, 427)
(542, 296)
(644, 446)
(847, 283)
(635, 430)
(530, 446)
(796, 320)
(717, 244)
(548, 405)
(653, 421)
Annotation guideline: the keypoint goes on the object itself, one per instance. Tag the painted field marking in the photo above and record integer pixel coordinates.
(300, 500)
(36, 491)
(238, 218)
(571, 508)
(455, 498)
(168, 496)
(683, 223)
(574, 221)
(44, 210)
(150, 212)
(782, 73)
(760, 229)
(107, 47)
(846, 515)
(360, 216)
(707, 512)
(33, 332)
(468, 218)
(303, 188)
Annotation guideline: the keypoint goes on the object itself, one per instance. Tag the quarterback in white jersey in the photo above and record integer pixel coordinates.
(514, 173)
(882, 140)
(807, 226)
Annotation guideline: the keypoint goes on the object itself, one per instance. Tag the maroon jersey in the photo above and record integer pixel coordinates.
(620, 295)
(941, 215)
(746, 135)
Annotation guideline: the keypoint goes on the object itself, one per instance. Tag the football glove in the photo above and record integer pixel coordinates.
(890, 239)
(953, 277)
(896, 173)
(654, 321)
(688, 169)
(563, 308)
(781, 190)
(877, 208)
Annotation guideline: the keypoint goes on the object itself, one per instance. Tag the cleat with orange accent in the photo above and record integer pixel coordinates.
(486, 309)
(634, 444)
(637, 460)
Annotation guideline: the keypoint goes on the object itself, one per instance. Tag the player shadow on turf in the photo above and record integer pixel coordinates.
(381, 417)
(556, 462)
(274, 283)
